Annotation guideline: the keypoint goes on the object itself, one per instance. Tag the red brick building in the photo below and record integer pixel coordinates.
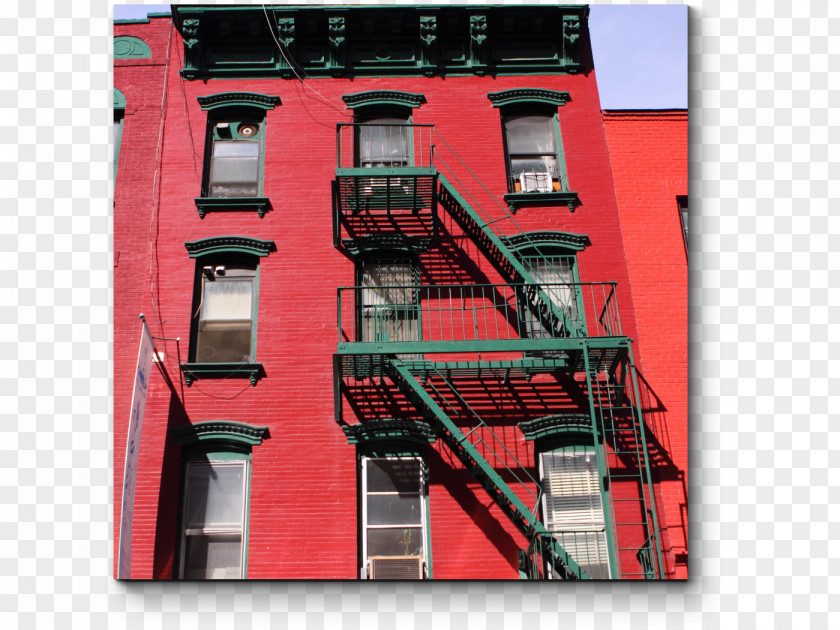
(649, 157)
(388, 244)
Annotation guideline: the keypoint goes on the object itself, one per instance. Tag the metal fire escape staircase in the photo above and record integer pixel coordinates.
(615, 421)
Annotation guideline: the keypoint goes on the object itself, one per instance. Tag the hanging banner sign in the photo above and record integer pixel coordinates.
(132, 449)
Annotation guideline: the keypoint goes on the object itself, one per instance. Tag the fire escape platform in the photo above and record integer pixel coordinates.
(364, 360)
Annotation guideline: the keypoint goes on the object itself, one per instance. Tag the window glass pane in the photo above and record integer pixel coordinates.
(384, 145)
(545, 164)
(234, 169)
(393, 475)
(224, 343)
(530, 134)
(401, 541)
(388, 283)
(227, 299)
(218, 557)
(214, 496)
(239, 148)
(394, 509)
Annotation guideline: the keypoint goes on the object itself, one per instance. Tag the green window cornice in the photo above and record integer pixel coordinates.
(576, 427)
(383, 97)
(119, 99)
(229, 245)
(528, 95)
(201, 433)
(390, 430)
(127, 47)
(238, 99)
(567, 240)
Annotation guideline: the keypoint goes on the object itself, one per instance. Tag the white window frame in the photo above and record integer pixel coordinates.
(364, 508)
(595, 523)
(241, 530)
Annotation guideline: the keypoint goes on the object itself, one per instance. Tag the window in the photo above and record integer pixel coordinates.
(682, 205)
(119, 116)
(224, 319)
(559, 275)
(533, 146)
(223, 331)
(573, 508)
(236, 148)
(390, 300)
(393, 518)
(384, 142)
(213, 520)
(531, 141)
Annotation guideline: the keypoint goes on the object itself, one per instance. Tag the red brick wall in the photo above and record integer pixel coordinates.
(649, 157)
(303, 509)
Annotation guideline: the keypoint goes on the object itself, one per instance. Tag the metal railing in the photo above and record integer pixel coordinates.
(477, 312)
(383, 145)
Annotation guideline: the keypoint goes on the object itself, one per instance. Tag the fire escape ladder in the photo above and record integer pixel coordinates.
(430, 400)
(492, 245)
(625, 467)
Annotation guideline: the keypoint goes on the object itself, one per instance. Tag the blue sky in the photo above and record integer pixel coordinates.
(641, 52)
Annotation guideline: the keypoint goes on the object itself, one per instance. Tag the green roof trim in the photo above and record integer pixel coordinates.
(119, 99)
(389, 429)
(229, 245)
(219, 430)
(567, 240)
(559, 425)
(128, 47)
(528, 95)
(238, 99)
(383, 97)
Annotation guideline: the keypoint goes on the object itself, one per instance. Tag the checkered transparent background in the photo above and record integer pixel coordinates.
(763, 523)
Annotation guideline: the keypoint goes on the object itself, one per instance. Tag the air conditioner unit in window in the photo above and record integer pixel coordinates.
(535, 182)
(395, 568)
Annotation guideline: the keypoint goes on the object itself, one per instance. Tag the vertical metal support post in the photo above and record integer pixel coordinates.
(600, 450)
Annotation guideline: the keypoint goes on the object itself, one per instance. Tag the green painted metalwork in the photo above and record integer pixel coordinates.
(260, 205)
(558, 425)
(229, 245)
(195, 371)
(383, 97)
(393, 242)
(119, 99)
(200, 433)
(492, 245)
(545, 240)
(389, 430)
(238, 99)
(523, 517)
(128, 47)
(603, 471)
(654, 520)
(528, 96)
(521, 200)
(284, 41)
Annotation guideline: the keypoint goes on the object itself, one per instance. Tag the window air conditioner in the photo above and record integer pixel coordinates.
(395, 568)
(536, 182)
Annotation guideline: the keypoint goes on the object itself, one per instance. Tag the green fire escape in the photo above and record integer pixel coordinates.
(394, 207)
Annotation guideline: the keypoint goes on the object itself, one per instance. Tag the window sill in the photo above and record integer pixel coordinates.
(519, 200)
(194, 371)
(208, 204)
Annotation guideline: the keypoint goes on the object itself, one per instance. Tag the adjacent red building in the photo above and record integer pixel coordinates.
(400, 313)
(649, 157)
